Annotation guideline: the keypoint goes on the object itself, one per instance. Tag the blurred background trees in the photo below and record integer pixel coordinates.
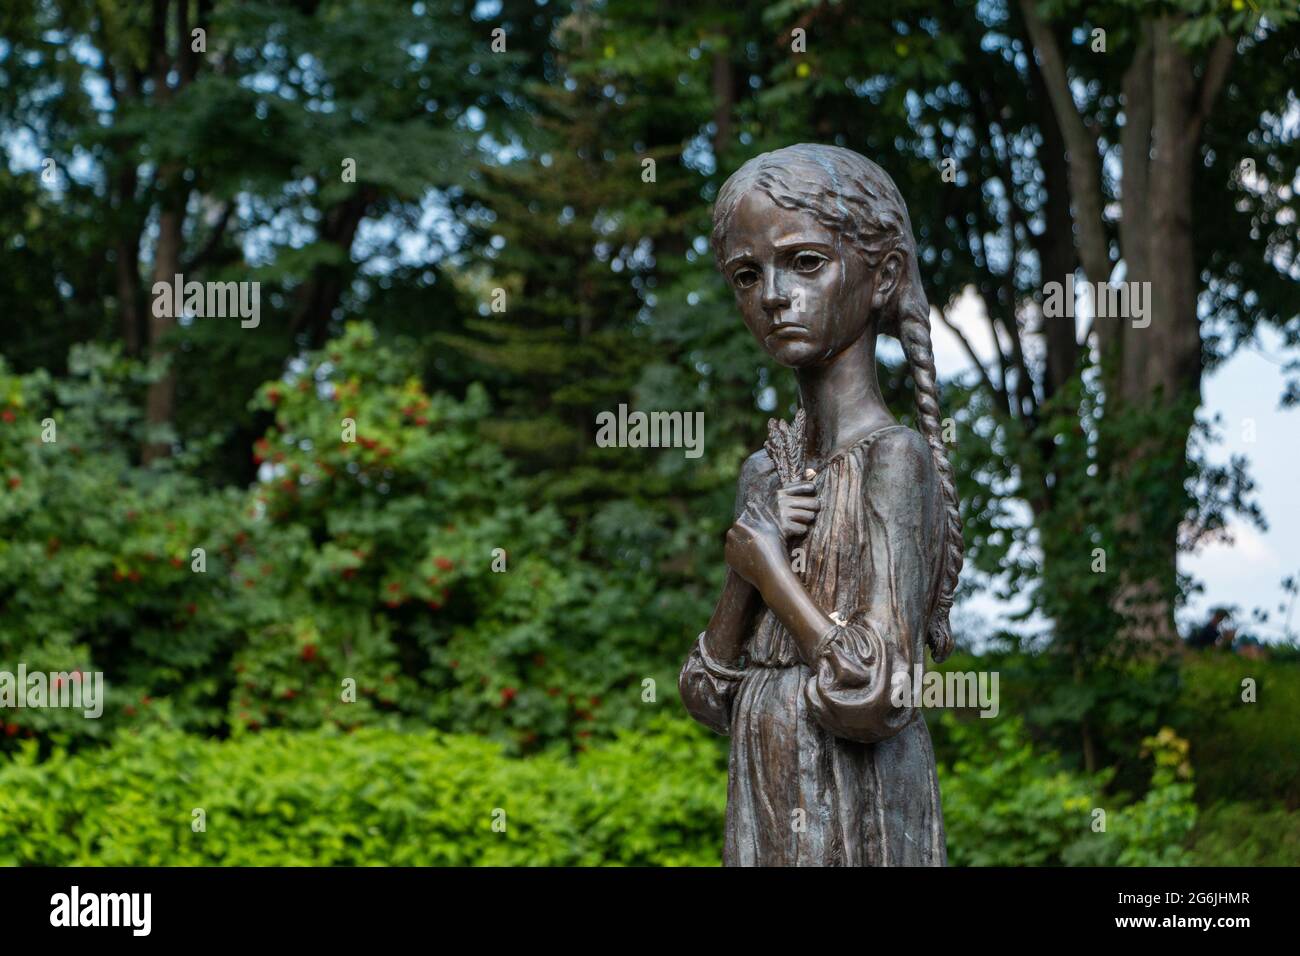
(477, 225)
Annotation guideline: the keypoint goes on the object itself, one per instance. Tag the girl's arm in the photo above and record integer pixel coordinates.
(756, 553)
(729, 625)
(710, 676)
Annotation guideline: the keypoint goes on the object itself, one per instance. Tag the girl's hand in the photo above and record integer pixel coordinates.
(755, 545)
(796, 506)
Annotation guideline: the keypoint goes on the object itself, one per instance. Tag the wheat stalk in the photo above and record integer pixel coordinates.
(785, 446)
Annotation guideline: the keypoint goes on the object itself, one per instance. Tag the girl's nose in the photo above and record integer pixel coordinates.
(774, 297)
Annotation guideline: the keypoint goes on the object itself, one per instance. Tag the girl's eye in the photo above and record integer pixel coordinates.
(806, 262)
(744, 278)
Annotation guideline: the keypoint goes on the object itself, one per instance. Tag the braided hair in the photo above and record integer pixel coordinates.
(852, 196)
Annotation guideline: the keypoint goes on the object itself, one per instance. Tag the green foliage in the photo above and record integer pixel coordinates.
(368, 798)
(95, 553)
(405, 560)
(1246, 834)
(1006, 805)
(1243, 751)
(651, 796)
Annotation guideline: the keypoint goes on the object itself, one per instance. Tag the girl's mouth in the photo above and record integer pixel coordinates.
(789, 332)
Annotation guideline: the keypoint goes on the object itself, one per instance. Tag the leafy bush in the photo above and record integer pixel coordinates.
(370, 797)
(1241, 748)
(1007, 805)
(1246, 834)
(407, 561)
(651, 797)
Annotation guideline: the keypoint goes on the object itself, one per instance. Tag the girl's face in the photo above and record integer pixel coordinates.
(805, 294)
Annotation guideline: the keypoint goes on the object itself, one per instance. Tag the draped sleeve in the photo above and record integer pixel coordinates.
(708, 688)
(859, 667)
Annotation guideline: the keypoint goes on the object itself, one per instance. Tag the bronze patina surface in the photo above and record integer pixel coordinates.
(800, 658)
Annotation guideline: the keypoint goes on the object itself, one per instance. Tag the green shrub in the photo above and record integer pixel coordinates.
(1006, 804)
(370, 797)
(375, 796)
(1245, 834)
(1244, 752)
(378, 560)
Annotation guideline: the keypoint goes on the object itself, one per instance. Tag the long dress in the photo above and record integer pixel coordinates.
(825, 769)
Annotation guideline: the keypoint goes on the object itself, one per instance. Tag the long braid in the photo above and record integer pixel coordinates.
(914, 333)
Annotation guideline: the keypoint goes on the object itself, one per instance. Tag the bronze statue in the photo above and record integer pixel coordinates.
(801, 658)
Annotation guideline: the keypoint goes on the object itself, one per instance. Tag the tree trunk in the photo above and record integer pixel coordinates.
(160, 402)
(724, 99)
(1153, 367)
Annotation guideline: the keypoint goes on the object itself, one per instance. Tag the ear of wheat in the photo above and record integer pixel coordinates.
(785, 446)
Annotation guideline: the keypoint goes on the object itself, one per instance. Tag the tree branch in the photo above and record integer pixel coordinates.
(1085, 166)
(214, 239)
(996, 392)
(1216, 73)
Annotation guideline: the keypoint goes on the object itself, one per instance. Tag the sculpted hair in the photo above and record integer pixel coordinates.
(855, 198)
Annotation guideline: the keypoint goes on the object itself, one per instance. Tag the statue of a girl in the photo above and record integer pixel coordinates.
(802, 662)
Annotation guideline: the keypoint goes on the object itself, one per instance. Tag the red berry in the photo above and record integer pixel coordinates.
(309, 652)
(507, 694)
(443, 563)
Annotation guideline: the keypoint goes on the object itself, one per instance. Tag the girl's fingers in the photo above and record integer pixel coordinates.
(799, 488)
(802, 504)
